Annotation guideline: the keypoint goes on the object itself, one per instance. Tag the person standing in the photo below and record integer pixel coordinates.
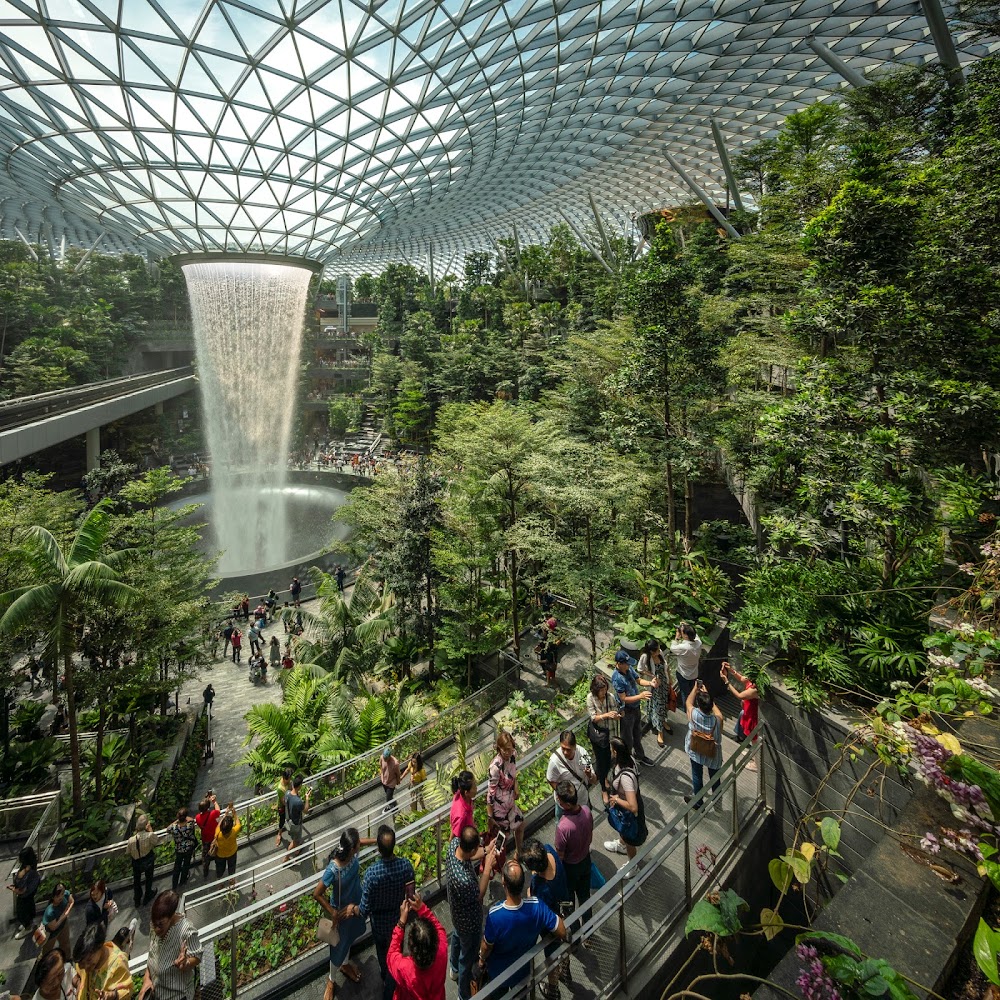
(295, 590)
(417, 771)
(628, 812)
(463, 797)
(626, 683)
(226, 843)
(296, 807)
(686, 647)
(574, 836)
(274, 655)
(513, 928)
(390, 775)
(245, 607)
(174, 952)
(103, 966)
(141, 849)
(255, 637)
(227, 635)
(55, 919)
(340, 574)
(603, 714)
(703, 741)
(283, 787)
(24, 885)
(750, 708)
(550, 649)
(336, 892)
(653, 665)
(208, 822)
(100, 907)
(185, 843)
(548, 883)
(569, 763)
(383, 889)
(466, 889)
(236, 639)
(419, 975)
(501, 796)
(208, 696)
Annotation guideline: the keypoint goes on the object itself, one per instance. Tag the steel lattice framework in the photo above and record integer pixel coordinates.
(357, 132)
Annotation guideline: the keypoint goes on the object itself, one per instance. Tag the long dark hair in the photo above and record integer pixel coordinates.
(621, 753)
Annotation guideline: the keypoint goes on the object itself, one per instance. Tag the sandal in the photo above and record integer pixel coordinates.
(351, 972)
(330, 990)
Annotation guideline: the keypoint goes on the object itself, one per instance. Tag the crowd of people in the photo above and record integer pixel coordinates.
(542, 882)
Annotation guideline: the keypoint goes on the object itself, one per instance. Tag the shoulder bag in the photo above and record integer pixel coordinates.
(704, 744)
(599, 736)
(579, 777)
(327, 930)
(623, 820)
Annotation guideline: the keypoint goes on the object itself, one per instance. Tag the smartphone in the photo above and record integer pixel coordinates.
(411, 890)
(500, 841)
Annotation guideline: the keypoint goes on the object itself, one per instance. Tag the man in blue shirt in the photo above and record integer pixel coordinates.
(382, 890)
(513, 928)
(626, 683)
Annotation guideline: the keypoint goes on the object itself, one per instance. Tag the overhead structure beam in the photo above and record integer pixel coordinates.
(31, 249)
(852, 76)
(943, 42)
(430, 263)
(720, 145)
(86, 256)
(583, 239)
(703, 196)
(605, 242)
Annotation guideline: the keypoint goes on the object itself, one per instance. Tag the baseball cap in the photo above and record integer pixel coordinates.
(622, 657)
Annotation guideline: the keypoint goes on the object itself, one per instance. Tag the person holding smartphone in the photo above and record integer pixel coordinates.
(174, 952)
(420, 974)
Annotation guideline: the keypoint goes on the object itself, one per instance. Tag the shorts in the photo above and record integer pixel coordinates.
(294, 831)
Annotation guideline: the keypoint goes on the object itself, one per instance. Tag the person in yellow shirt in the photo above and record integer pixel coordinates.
(103, 966)
(226, 844)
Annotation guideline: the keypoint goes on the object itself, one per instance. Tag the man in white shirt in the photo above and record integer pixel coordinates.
(570, 763)
(686, 648)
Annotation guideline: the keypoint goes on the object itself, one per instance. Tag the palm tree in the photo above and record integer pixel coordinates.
(64, 583)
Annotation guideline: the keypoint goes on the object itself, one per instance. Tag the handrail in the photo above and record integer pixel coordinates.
(232, 937)
(167, 375)
(228, 926)
(607, 905)
(489, 692)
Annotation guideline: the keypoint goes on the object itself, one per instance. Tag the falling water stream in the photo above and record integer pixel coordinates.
(248, 319)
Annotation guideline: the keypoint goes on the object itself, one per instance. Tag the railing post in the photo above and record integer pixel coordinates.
(736, 808)
(437, 837)
(233, 970)
(687, 860)
(622, 939)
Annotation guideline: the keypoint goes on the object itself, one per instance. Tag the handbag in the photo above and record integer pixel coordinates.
(672, 699)
(625, 822)
(213, 849)
(599, 736)
(597, 880)
(328, 932)
(703, 743)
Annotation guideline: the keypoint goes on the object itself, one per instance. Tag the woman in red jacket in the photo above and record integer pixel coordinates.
(419, 975)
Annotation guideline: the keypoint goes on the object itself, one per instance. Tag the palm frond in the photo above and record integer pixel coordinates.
(90, 536)
(32, 609)
(44, 542)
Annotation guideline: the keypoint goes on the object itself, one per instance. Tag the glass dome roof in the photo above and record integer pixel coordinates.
(357, 132)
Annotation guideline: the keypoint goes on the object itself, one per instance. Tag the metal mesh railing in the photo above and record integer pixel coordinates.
(339, 781)
(631, 918)
(278, 929)
(35, 816)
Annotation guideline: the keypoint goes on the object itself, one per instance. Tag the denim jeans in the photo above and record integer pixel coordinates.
(463, 956)
(698, 777)
(684, 687)
(182, 865)
(382, 954)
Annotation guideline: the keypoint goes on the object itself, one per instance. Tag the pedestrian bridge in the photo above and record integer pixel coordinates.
(30, 424)
(268, 948)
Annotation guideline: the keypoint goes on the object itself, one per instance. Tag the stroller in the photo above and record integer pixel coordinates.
(258, 670)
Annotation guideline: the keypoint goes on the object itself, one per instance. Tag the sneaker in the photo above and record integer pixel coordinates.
(453, 974)
(615, 847)
(648, 761)
(550, 991)
(566, 974)
(21, 934)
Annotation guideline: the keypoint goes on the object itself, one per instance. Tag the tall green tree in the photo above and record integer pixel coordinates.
(64, 581)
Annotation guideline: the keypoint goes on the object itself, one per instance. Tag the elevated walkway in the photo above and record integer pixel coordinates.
(30, 424)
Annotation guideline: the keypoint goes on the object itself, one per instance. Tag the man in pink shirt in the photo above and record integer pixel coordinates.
(574, 834)
(419, 975)
(390, 775)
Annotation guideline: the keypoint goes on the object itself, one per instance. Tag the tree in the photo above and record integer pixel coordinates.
(64, 582)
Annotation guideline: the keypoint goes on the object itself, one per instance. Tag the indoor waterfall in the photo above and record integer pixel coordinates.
(248, 320)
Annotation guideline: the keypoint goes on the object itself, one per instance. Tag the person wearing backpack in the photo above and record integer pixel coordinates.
(703, 741)
(627, 812)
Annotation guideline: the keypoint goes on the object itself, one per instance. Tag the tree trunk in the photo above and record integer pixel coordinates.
(590, 593)
(688, 504)
(515, 617)
(74, 735)
(99, 751)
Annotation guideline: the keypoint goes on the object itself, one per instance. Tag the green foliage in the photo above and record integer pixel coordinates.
(720, 918)
(985, 947)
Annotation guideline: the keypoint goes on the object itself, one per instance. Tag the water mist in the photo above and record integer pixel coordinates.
(248, 319)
